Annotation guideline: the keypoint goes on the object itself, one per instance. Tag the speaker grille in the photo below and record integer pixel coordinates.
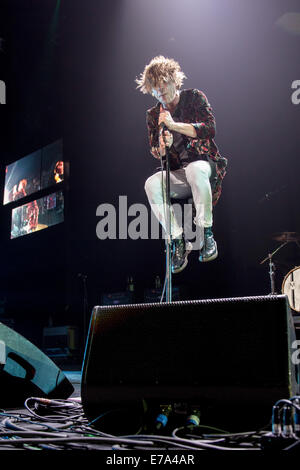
(211, 351)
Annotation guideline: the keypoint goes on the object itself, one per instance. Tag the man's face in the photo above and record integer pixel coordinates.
(60, 168)
(164, 92)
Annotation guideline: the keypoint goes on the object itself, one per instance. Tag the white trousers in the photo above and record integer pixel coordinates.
(191, 181)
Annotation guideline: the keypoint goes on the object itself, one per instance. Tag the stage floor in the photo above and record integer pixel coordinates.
(74, 376)
(63, 426)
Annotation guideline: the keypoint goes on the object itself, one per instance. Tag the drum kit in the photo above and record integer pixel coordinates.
(291, 282)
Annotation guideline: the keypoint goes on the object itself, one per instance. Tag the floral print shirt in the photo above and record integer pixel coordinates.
(193, 108)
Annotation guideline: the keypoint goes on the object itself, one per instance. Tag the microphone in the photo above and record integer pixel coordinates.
(162, 127)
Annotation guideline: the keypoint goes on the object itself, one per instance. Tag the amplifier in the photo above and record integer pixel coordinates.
(117, 298)
(154, 295)
(60, 340)
(222, 355)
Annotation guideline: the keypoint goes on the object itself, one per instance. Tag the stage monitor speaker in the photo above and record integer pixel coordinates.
(218, 354)
(26, 371)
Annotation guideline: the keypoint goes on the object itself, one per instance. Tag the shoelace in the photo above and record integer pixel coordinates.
(178, 247)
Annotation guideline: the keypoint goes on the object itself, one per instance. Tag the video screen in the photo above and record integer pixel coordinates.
(52, 164)
(37, 215)
(22, 177)
(39, 170)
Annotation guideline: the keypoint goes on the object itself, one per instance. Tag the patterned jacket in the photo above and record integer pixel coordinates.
(192, 108)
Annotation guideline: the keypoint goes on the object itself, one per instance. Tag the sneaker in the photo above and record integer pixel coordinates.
(209, 251)
(181, 250)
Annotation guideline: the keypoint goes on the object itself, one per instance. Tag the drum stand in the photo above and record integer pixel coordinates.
(272, 275)
(272, 268)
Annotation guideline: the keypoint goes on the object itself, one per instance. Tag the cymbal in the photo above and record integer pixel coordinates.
(286, 237)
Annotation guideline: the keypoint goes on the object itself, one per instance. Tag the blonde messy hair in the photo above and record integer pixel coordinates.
(159, 69)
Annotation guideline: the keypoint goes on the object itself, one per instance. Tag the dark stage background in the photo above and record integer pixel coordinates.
(69, 69)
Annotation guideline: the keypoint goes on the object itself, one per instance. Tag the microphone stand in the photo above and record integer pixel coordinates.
(85, 305)
(168, 232)
(83, 277)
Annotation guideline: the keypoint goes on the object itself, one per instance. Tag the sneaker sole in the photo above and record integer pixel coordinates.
(211, 258)
(187, 252)
(182, 267)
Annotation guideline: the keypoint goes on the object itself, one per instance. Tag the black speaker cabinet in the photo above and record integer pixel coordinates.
(220, 354)
(26, 371)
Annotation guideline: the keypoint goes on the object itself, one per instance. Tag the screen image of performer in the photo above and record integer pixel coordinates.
(19, 190)
(59, 171)
(182, 120)
(33, 216)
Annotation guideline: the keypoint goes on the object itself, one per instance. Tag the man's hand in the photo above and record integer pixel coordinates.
(155, 152)
(165, 139)
(165, 118)
(181, 127)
